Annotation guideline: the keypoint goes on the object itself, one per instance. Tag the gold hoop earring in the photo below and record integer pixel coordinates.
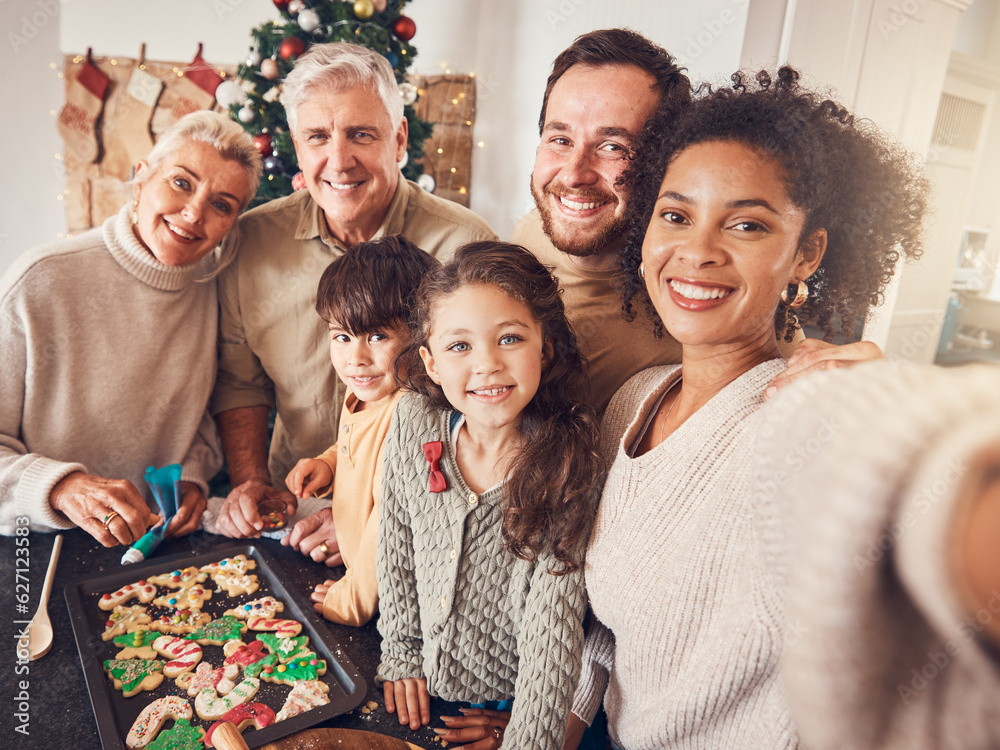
(642, 270)
(801, 293)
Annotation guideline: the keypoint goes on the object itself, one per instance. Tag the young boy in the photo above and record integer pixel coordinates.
(365, 298)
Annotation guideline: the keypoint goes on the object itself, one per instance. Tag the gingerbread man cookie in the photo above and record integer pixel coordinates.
(217, 632)
(184, 654)
(305, 696)
(223, 678)
(250, 656)
(179, 579)
(136, 645)
(132, 676)
(181, 736)
(125, 620)
(181, 621)
(192, 597)
(145, 591)
(152, 718)
(237, 565)
(243, 716)
(211, 706)
(266, 606)
(237, 585)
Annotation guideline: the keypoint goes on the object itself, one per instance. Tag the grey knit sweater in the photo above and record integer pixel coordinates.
(108, 360)
(778, 573)
(456, 608)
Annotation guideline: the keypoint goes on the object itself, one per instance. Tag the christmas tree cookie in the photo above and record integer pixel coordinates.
(181, 736)
(218, 631)
(305, 696)
(136, 645)
(132, 676)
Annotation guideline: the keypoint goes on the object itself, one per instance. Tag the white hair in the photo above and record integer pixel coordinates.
(338, 66)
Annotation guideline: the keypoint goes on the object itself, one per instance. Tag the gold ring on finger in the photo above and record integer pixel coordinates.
(109, 518)
(498, 733)
(324, 549)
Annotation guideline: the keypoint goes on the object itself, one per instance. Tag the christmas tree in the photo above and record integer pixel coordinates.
(253, 102)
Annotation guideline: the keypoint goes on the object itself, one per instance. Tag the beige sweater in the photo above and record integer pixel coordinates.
(108, 360)
(779, 574)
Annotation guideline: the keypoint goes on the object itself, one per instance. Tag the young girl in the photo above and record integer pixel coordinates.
(488, 493)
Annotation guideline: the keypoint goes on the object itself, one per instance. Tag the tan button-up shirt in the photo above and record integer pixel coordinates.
(273, 347)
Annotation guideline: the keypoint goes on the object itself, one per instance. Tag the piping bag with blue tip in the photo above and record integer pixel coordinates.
(165, 484)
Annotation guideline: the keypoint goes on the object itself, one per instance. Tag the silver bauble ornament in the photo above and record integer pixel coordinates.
(246, 115)
(427, 183)
(407, 92)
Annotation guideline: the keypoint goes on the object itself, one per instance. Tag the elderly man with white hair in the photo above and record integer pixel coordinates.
(346, 118)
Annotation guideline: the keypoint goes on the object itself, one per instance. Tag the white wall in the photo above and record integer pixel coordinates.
(509, 45)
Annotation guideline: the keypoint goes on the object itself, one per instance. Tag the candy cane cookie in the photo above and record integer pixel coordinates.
(184, 654)
(142, 589)
(152, 718)
(281, 628)
(211, 706)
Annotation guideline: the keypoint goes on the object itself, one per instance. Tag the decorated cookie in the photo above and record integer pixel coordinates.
(179, 579)
(192, 597)
(305, 696)
(136, 645)
(132, 676)
(266, 606)
(181, 736)
(125, 620)
(154, 716)
(237, 565)
(210, 706)
(286, 649)
(294, 671)
(250, 656)
(217, 632)
(243, 716)
(183, 654)
(237, 585)
(222, 679)
(141, 589)
(181, 622)
(281, 628)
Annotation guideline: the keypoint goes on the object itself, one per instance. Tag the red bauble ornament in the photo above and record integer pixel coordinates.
(404, 28)
(263, 143)
(281, 5)
(291, 47)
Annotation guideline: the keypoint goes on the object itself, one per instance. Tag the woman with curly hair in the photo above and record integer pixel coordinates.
(761, 208)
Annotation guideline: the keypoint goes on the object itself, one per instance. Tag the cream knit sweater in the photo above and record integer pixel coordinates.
(108, 360)
(456, 608)
(742, 569)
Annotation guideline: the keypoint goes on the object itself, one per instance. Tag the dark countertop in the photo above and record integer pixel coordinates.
(61, 715)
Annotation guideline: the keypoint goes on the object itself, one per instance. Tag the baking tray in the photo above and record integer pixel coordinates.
(116, 714)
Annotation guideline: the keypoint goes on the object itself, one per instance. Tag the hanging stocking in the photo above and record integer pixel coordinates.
(195, 89)
(137, 111)
(78, 117)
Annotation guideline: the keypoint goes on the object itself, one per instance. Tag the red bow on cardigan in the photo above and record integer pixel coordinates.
(432, 452)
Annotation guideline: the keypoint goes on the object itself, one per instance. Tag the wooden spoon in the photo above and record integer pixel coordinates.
(40, 627)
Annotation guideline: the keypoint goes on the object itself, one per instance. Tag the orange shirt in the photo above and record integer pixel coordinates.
(356, 462)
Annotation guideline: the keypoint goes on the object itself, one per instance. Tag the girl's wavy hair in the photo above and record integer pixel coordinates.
(553, 480)
(844, 173)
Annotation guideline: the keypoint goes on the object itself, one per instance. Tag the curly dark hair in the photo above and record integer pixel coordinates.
(846, 175)
(553, 482)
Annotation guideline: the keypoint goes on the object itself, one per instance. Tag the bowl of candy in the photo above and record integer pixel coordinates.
(274, 513)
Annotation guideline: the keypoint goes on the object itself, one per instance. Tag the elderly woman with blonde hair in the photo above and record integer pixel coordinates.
(108, 342)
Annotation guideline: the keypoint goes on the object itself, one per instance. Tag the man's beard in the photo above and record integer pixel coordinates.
(597, 240)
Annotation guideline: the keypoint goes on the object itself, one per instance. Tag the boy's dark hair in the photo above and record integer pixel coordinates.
(622, 47)
(370, 287)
